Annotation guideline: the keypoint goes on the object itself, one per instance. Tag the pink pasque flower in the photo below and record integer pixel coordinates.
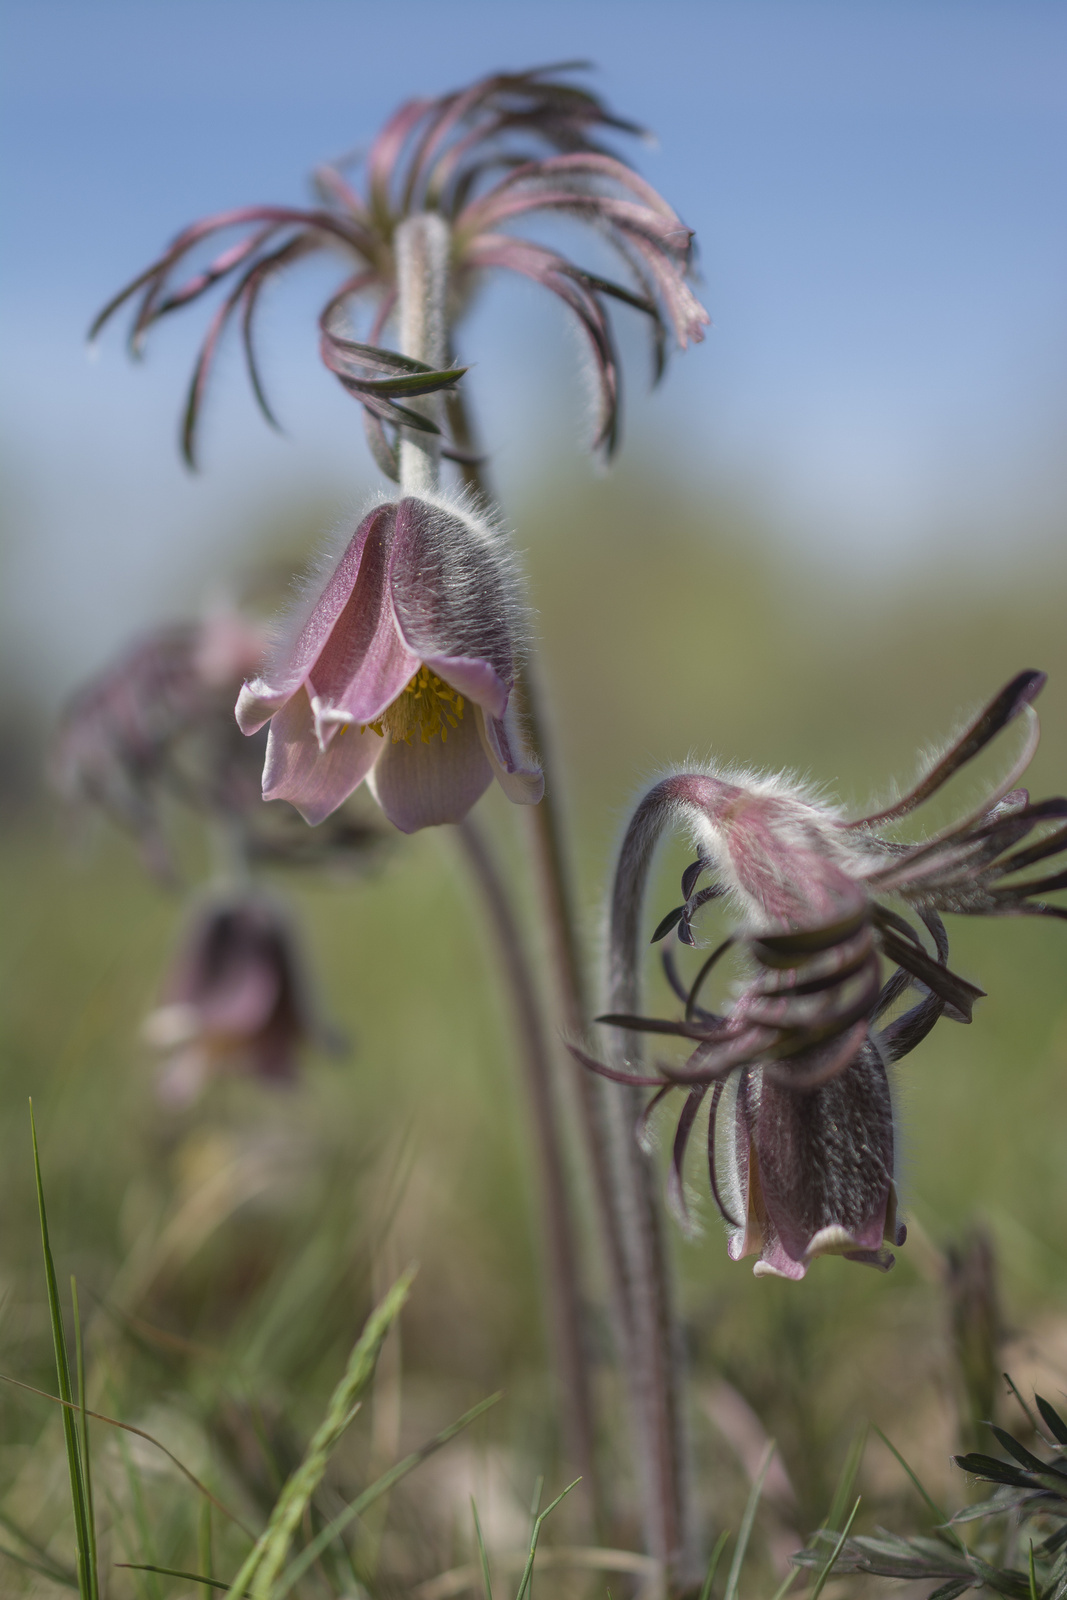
(402, 674)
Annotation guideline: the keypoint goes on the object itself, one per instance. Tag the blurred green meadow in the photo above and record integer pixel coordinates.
(226, 1255)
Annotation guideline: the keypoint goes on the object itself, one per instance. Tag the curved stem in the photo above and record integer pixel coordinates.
(566, 1317)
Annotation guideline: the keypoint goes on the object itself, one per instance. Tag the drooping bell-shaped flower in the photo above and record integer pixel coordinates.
(236, 999)
(801, 1146)
(402, 673)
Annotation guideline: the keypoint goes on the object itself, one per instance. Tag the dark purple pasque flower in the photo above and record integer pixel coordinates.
(401, 673)
(235, 1000)
(800, 1134)
(509, 146)
(157, 721)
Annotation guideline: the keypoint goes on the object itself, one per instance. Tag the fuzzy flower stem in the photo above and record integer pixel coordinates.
(557, 1223)
(422, 244)
(657, 1363)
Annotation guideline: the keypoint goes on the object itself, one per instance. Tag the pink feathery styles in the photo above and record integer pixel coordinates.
(506, 149)
(801, 1143)
(235, 1000)
(402, 674)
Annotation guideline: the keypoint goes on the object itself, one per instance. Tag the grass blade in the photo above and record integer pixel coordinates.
(713, 1565)
(483, 1557)
(296, 1568)
(744, 1533)
(846, 1484)
(175, 1572)
(786, 1584)
(820, 1582)
(527, 1576)
(79, 1362)
(264, 1561)
(86, 1570)
(942, 1521)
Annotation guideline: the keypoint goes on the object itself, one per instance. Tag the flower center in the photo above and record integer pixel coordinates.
(428, 706)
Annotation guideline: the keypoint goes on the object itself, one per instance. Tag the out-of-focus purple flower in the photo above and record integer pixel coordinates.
(800, 1134)
(510, 146)
(401, 672)
(126, 737)
(236, 999)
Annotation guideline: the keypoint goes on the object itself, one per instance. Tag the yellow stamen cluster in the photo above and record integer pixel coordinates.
(428, 705)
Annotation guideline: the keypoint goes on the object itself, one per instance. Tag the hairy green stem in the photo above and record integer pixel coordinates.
(423, 245)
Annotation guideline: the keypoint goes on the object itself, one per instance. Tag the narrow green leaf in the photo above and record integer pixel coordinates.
(70, 1432)
(744, 1533)
(786, 1584)
(79, 1358)
(716, 1555)
(483, 1556)
(296, 1568)
(846, 1484)
(264, 1561)
(527, 1575)
(820, 1582)
(1034, 1592)
(175, 1572)
(940, 1518)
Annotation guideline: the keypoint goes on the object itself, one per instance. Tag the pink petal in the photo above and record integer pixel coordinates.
(452, 600)
(315, 782)
(240, 1003)
(476, 679)
(514, 768)
(420, 785)
(264, 695)
(365, 663)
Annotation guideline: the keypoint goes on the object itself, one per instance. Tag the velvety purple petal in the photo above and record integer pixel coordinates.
(451, 591)
(315, 782)
(242, 1001)
(419, 785)
(257, 703)
(514, 768)
(364, 664)
(826, 1159)
(294, 662)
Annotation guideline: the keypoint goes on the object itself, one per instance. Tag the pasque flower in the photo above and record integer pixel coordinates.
(401, 672)
(508, 147)
(800, 1134)
(236, 998)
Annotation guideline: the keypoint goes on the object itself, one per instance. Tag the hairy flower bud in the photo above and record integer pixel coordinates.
(801, 1144)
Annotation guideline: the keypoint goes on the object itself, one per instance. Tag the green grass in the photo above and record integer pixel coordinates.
(226, 1257)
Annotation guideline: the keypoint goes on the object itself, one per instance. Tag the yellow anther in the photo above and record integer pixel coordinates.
(428, 706)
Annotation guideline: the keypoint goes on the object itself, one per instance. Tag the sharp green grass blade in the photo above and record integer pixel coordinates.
(713, 1565)
(70, 1431)
(483, 1557)
(940, 1518)
(820, 1582)
(175, 1572)
(846, 1484)
(744, 1533)
(79, 1358)
(527, 1575)
(296, 1569)
(264, 1561)
(1035, 1593)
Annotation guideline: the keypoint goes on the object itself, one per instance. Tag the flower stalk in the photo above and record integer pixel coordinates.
(422, 244)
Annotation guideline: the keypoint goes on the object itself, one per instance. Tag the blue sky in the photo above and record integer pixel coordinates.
(877, 187)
